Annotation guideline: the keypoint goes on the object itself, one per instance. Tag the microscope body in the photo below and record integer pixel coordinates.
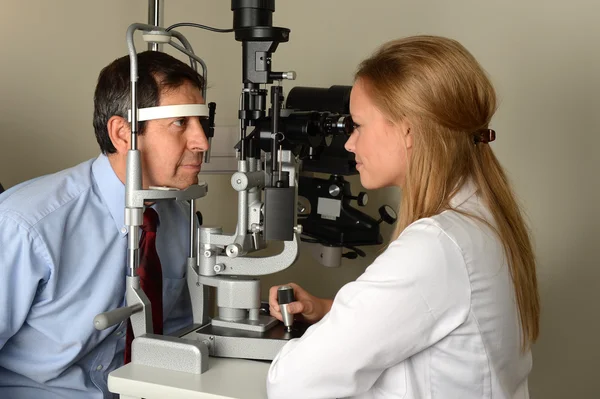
(267, 194)
(307, 134)
(241, 326)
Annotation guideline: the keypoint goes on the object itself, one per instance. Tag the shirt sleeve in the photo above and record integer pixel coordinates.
(412, 296)
(23, 270)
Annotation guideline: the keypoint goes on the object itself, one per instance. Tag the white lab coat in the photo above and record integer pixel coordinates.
(434, 316)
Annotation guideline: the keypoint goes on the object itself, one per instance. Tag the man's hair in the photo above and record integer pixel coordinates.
(440, 88)
(157, 72)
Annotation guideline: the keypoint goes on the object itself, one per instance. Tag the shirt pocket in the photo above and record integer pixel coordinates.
(177, 309)
(174, 280)
(172, 290)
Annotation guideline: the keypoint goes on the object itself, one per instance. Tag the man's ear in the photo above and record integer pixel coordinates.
(119, 133)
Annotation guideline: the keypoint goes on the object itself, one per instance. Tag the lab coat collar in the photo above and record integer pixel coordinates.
(112, 191)
(468, 190)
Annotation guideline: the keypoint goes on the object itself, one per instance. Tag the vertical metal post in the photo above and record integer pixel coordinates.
(242, 225)
(192, 228)
(275, 114)
(155, 18)
(134, 115)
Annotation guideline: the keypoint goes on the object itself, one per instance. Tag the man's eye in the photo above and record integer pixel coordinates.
(179, 122)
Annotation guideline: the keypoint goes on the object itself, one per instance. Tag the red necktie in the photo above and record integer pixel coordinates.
(150, 273)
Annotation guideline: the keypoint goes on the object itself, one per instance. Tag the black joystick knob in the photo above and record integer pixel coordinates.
(285, 296)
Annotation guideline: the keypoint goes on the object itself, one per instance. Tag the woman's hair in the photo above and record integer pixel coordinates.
(439, 87)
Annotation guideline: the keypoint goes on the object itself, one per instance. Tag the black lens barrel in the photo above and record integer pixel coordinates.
(252, 13)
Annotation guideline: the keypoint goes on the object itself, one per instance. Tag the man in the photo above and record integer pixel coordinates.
(63, 239)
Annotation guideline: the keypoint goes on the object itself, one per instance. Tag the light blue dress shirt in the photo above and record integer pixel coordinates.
(63, 261)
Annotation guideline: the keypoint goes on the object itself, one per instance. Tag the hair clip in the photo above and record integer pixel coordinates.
(484, 136)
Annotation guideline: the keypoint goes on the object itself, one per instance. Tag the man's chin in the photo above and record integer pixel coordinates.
(182, 184)
(186, 184)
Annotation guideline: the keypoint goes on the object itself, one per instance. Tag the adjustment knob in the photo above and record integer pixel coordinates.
(387, 214)
(290, 75)
(334, 190)
(361, 199)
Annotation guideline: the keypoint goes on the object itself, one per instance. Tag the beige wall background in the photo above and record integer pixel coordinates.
(543, 57)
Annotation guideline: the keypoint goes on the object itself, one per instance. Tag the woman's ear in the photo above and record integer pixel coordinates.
(408, 134)
(119, 133)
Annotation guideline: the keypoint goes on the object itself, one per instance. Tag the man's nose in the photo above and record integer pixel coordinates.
(197, 140)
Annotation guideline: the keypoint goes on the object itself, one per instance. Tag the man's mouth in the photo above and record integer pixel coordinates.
(192, 166)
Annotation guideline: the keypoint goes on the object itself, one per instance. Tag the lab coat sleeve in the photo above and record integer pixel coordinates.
(412, 296)
(23, 270)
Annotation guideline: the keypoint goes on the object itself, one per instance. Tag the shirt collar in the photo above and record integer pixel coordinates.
(112, 191)
(464, 193)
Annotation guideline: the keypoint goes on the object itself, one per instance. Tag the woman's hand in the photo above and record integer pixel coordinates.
(309, 308)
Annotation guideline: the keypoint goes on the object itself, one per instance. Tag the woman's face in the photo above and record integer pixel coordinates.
(380, 147)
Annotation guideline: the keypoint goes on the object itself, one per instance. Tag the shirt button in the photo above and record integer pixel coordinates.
(99, 367)
(119, 333)
(123, 229)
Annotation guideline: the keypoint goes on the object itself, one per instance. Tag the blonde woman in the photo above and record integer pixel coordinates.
(450, 308)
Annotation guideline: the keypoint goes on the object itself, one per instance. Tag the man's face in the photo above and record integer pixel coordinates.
(172, 148)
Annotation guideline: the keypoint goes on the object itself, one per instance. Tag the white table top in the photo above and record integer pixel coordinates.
(225, 379)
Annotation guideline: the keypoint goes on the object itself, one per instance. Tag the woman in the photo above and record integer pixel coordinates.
(451, 307)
